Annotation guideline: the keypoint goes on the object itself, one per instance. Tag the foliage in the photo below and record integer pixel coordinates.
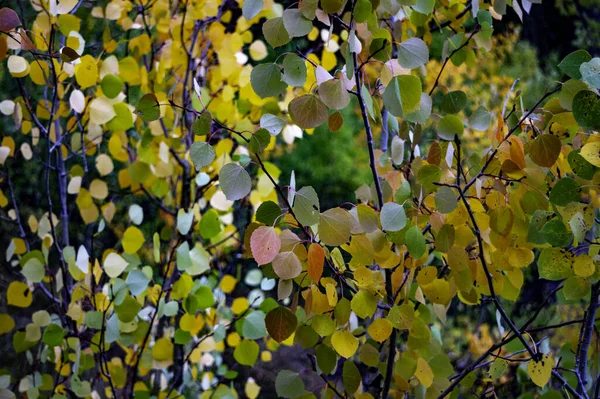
(144, 264)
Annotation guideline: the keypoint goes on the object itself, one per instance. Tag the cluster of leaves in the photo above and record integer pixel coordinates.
(146, 299)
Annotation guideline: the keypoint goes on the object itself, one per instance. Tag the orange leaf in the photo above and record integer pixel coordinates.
(316, 258)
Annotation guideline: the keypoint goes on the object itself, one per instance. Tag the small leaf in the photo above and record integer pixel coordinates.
(202, 154)
(148, 108)
(540, 371)
(266, 80)
(294, 70)
(9, 20)
(334, 95)
(586, 109)
(480, 119)
(334, 227)
(288, 384)
(393, 217)
(545, 149)
(316, 259)
(281, 323)
(565, 190)
(591, 153)
(449, 126)
(287, 265)
(295, 23)
(259, 141)
(308, 111)
(454, 101)
(275, 32)
(413, 53)
(272, 124)
(251, 8)
(235, 181)
(265, 244)
(571, 63)
(202, 124)
(344, 343)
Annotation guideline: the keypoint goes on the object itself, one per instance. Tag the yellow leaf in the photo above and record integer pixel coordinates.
(540, 371)
(86, 72)
(19, 294)
(380, 329)
(6, 324)
(162, 349)
(252, 389)
(227, 283)
(344, 343)
(591, 152)
(424, 373)
(133, 239)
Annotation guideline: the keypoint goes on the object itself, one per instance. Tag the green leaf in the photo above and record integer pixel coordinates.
(362, 10)
(53, 335)
(254, 325)
(571, 63)
(306, 206)
(402, 95)
(480, 119)
(205, 297)
(586, 109)
(565, 190)
(334, 95)
(556, 233)
(128, 309)
(268, 212)
(555, 264)
(427, 175)
(259, 141)
(275, 32)
(281, 323)
(415, 242)
(234, 181)
(111, 86)
(202, 154)
(34, 270)
(294, 70)
(251, 8)
(137, 282)
(210, 224)
(289, 385)
(202, 124)
(123, 119)
(392, 216)
(351, 377)
(445, 200)
(576, 288)
(454, 101)
(424, 7)
(449, 126)
(334, 227)
(246, 352)
(309, 8)
(266, 80)
(413, 53)
(326, 358)
(422, 113)
(272, 124)
(295, 23)
(580, 166)
(148, 108)
(308, 111)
